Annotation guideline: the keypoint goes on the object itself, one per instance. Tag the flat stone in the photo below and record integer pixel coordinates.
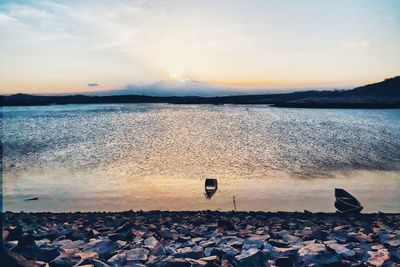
(252, 243)
(195, 252)
(150, 242)
(393, 243)
(250, 257)
(68, 257)
(118, 259)
(102, 247)
(341, 250)
(137, 254)
(378, 258)
(175, 262)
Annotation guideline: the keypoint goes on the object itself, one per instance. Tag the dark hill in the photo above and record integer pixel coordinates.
(385, 94)
(388, 87)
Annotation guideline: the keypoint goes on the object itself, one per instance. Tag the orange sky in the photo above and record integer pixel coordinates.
(57, 46)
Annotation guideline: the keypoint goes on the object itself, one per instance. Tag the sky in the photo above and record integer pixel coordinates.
(75, 46)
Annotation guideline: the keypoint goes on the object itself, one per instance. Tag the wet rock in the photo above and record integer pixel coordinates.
(203, 239)
(223, 251)
(278, 243)
(137, 254)
(393, 243)
(102, 247)
(207, 243)
(284, 262)
(226, 225)
(150, 242)
(253, 242)
(195, 252)
(126, 227)
(118, 259)
(175, 262)
(68, 257)
(316, 253)
(250, 257)
(14, 233)
(341, 238)
(79, 244)
(340, 249)
(379, 257)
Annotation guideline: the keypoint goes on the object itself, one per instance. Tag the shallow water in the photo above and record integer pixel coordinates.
(156, 156)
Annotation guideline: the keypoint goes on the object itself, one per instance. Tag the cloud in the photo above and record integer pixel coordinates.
(92, 84)
(357, 44)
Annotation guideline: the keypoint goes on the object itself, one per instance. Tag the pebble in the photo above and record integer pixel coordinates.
(204, 238)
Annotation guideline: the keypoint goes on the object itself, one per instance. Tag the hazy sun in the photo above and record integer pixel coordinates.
(177, 77)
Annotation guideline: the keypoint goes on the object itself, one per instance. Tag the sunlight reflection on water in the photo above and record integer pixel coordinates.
(147, 156)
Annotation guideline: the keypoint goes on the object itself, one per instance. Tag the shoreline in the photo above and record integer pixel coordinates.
(201, 238)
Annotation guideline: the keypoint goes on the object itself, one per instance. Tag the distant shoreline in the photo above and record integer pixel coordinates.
(380, 95)
(290, 100)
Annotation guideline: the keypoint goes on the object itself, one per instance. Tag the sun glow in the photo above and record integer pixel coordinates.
(177, 77)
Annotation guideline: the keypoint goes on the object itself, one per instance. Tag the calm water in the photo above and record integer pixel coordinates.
(156, 156)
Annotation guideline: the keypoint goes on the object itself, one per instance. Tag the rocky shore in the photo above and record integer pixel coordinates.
(204, 238)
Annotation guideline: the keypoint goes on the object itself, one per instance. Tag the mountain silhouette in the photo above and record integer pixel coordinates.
(384, 94)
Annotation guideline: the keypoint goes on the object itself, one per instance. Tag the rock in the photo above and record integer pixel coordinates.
(197, 263)
(102, 247)
(278, 243)
(159, 250)
(340, 249)
(98, 263)
(311, 249)
(316, 253)
(284, 262)
(250, 257)
(378, 258)
(209, 259)
(175, 262)
(252, 243)
(126, 227)
(74, 244)
(393, 243)
(341, 238)
(207, 243)
(42, 242)
(119, 236)
(197, 239)
(14, 233)
(166, 233)
(195, 252)
(150, 242)
(137, 254)
(395, 255)
(224, 250)
(118, 259)
(226, 225)
(68, 257)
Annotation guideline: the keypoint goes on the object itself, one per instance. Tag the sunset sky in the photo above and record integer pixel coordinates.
(66, 46)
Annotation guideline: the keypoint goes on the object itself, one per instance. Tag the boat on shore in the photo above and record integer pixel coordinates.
(211, 187)
(346, 203)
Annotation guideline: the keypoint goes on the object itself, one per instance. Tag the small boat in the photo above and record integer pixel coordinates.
(345, 202)
(210, 186)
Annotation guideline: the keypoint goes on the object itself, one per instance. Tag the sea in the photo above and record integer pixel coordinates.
(116, 157)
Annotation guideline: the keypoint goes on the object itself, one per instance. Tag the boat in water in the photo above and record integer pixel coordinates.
(211, 187)
(345, 202)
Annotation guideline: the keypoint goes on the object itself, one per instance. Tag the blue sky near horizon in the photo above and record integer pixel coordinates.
(63, 46)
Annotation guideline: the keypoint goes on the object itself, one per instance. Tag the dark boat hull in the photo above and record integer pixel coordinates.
(211, 187)
(346, 203)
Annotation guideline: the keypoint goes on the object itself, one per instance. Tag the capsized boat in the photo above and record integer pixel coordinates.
(345, 202)
(210, 186)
